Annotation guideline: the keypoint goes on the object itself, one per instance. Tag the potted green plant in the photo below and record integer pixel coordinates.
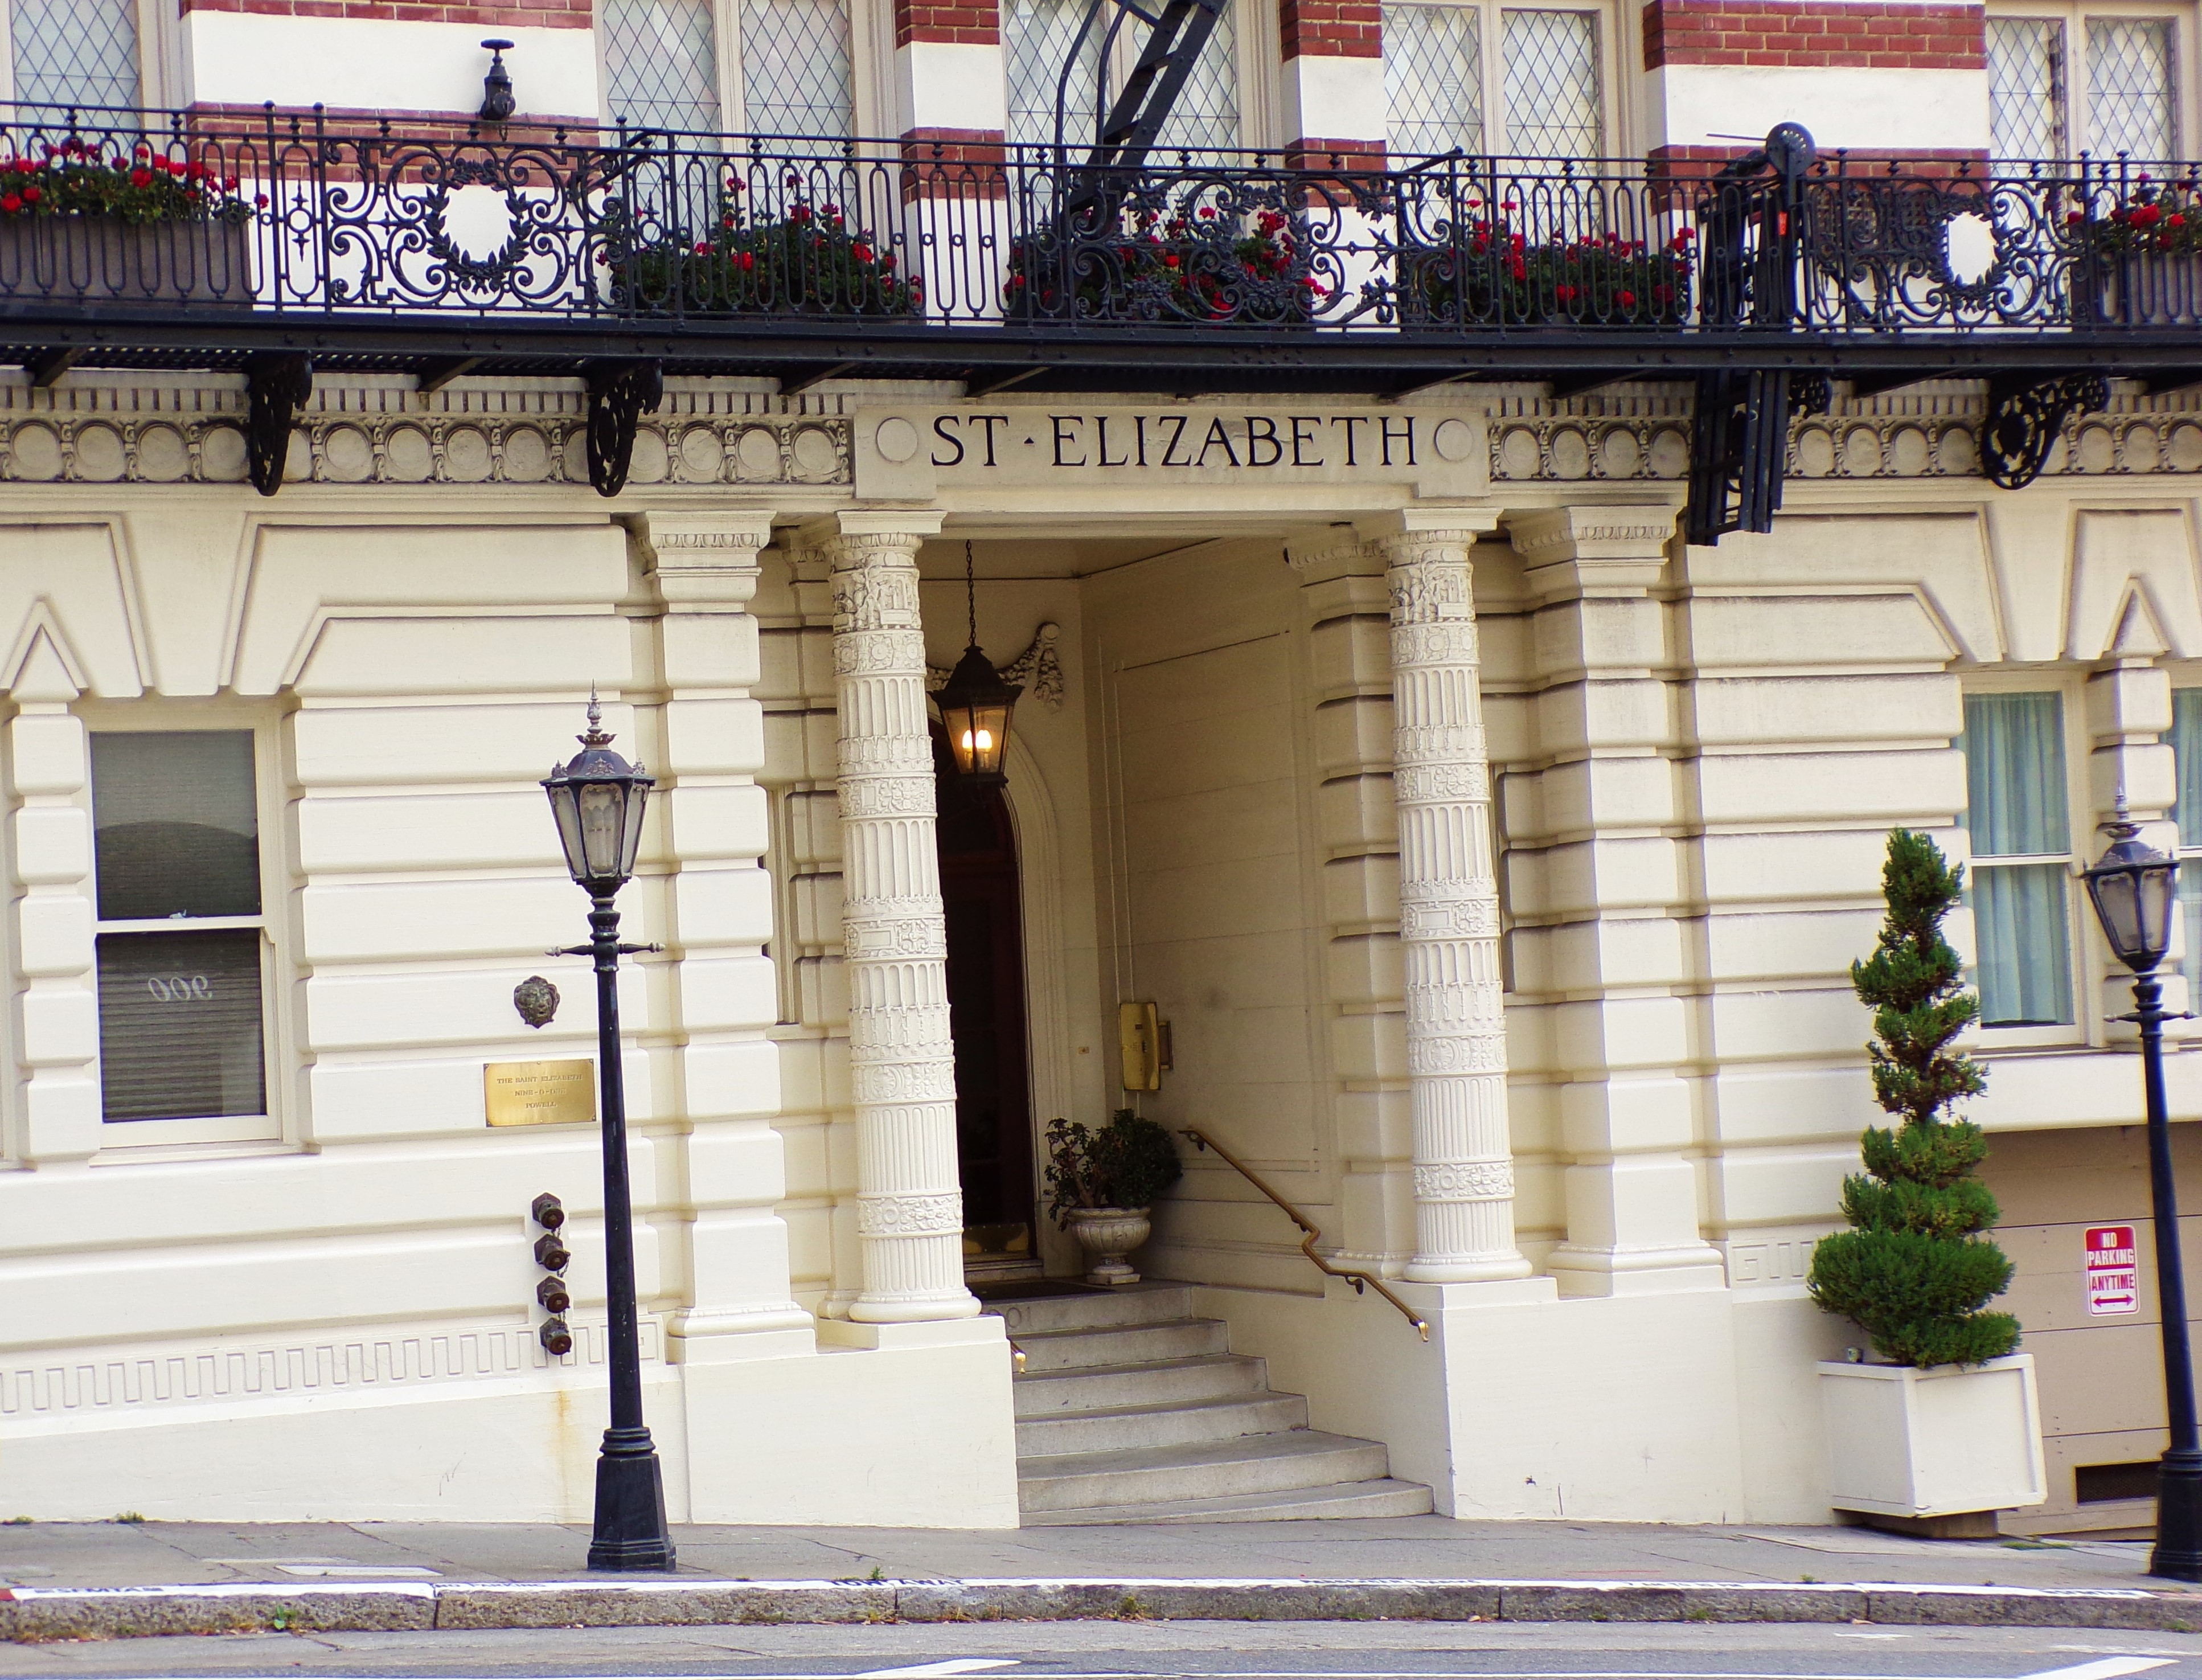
(1102, 1185)
(1945, 1429)
(115, 221)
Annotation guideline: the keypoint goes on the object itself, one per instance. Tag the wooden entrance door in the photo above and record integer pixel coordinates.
(979, 892)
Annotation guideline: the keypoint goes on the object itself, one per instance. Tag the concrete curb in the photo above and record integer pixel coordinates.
(31, 1614)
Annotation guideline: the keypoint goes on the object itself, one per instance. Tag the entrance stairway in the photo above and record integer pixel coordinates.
(1131, 1410)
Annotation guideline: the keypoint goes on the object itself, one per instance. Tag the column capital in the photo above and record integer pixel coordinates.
(700, 557)
(1428, 521)
(1332, 552)
(1572, 552)
(912, 525)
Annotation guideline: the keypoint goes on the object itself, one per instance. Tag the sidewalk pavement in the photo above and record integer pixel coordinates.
(74, 1580)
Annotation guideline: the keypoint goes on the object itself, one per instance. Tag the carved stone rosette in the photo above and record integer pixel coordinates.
(902, 1062)
(1449, 919)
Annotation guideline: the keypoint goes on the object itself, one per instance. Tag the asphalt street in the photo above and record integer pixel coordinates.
(1134, 1650)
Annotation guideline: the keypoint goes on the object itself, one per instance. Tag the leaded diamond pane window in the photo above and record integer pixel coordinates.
(74, 52)
(2129, 87)
(2026, 87)
(1433, 79)
(796, 74)
(1550, 62)
(661, 63)
(1038, 36)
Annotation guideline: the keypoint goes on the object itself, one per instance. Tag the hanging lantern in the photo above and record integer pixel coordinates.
(976, 703)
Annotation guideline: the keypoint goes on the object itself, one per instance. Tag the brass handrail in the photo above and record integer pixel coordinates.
(1311, 1235)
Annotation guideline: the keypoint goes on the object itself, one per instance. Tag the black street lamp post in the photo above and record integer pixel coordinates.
(598, 799)
(2132, 890)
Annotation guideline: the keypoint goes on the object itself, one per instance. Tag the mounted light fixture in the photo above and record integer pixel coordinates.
(498, 104)
(975, 703)
(598, 799)
(2133, 887)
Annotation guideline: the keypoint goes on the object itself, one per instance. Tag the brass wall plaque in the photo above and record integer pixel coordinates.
(540, 1093)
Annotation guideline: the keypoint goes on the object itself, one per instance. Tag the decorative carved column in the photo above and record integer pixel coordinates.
(902, 1063)
(1448, 905)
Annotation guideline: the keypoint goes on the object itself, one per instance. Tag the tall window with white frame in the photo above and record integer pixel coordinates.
(80, 53)
(2020, 880)
(750, 67)
(1539, 94)
(1038, 40)
(2064, 82)
(182, 933)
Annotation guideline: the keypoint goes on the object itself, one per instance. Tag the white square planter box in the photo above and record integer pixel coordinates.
(1907, 1443)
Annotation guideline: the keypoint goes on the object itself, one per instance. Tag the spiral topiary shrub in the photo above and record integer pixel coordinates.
(1915, 1272)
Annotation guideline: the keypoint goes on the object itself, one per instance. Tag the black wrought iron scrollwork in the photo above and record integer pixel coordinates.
(276, 389)
(2025, 419)
(619, 394)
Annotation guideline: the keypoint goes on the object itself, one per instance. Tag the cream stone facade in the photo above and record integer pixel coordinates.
(1497, 857)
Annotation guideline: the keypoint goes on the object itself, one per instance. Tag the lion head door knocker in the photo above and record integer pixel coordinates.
(537, 1000)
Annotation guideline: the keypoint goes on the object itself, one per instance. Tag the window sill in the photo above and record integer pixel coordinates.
(147, 1154)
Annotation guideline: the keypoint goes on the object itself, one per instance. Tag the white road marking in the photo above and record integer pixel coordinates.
(2104, 1668)
(925, 1671)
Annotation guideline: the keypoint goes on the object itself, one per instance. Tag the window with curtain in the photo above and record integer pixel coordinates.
(1037, 37)
(795, 57)
(180, 931)
(2187, 812)
(2099, 83)
(1541, 94)
(74, 52)
(2019, 883)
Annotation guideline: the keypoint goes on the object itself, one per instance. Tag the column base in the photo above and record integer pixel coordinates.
(919, 1333)
(1679, 1269)
(864, 1311)
(1492, 1271)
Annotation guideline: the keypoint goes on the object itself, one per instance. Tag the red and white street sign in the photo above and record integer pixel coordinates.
(2113, 1271)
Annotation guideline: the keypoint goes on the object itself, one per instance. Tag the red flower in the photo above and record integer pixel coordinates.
(11, 204)
(1169, 259)
(861, 251)
(2148, 216)
(261, 200)
(32, 194)
(24, 166)
(2074, 218)
(1626, 299)
(1566, 294)
(229, 183)
(195, 170)
(745, 262)
(800, 213)
(141, 177)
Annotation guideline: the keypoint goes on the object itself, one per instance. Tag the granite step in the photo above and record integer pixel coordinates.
(1092, 1310)
(1122, 1344)
(1118, 1427)
(1260, 1464)
(1203, 1376)
(1385, 1497)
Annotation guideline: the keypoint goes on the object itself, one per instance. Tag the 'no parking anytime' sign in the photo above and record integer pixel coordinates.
(2113, 1271)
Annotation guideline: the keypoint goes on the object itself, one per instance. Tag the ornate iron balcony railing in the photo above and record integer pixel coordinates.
(299, 215)
(265, 239)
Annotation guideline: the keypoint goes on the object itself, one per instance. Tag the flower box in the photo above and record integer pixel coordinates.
(103, 259)
(1200, 268)
(2150, 289)
(1945, 1440)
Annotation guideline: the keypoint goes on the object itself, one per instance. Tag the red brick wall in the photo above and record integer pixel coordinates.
(503, 14)
(1860, 34)
(1332, 28)
(972, 22)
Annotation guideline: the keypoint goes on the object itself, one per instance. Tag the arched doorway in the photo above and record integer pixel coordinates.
(981, 904)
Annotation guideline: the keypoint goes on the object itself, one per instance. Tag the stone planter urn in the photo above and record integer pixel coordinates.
(1935, 1452)
(1107, 1235)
